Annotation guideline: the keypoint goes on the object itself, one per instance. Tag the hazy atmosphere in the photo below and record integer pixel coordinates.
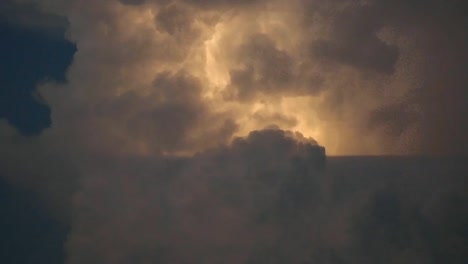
(195, 131)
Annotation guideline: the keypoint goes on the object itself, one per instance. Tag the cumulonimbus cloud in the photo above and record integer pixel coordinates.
(180, 210)
(329, 66)
(158, 92)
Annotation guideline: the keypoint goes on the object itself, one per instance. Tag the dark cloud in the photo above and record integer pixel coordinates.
(23, 215)
(212, 207)
(353, 38)
(132, 2)
(370, 54)
(406, 231)
(266, 70)
(266, 199)
(436, 31)
(397, 219)
(439, 30)
(354, 41)
(210, 4)
(174, 19)
(50, 176)
(177, 110)
(168, 116)
(395, 118)
(29, 56)
(443, 94)
(29, 15)
(220, 3)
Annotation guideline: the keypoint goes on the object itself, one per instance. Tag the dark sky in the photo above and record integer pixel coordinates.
(189, 131)
(29, 233)
(29, 57)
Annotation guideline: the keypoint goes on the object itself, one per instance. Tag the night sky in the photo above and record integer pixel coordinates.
(192, 131)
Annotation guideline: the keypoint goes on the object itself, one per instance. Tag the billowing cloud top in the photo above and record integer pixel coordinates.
(179, 211)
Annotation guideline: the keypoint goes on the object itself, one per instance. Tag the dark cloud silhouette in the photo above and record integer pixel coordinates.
(267, 199)
(213, 207)
(354, 40)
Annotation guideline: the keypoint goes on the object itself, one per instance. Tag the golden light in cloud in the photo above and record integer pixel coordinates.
(218, 50)
(308, 122)
(253, 66)
(216, 73)
(221, 53)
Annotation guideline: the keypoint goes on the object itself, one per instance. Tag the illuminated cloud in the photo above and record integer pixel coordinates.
(338, 61)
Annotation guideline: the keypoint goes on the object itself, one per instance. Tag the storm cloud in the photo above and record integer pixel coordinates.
(268, 198)
(331, 66)
(173, 138)
(213, 207)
